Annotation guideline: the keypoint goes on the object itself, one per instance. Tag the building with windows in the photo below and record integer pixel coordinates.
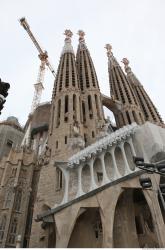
(72, 182)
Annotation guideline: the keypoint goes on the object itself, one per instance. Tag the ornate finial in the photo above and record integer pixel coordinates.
(109, 49)
(68, 34)
(81, 34)
(125, 61)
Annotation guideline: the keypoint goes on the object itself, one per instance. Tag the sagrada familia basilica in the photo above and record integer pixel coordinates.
(68, 178)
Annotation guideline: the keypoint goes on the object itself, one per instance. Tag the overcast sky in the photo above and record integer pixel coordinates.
(135, 29)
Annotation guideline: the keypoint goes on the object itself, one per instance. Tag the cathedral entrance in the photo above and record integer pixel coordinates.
(87, 232)
(133, 225)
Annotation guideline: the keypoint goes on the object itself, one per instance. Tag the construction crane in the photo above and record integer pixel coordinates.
(43, 56)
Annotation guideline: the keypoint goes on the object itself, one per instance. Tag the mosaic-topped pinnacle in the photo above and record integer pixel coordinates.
(81, 34)
(68, 34)
(109, 49)
(68, 46)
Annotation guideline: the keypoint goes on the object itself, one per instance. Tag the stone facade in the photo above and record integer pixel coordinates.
(11, 135)
(73, 183)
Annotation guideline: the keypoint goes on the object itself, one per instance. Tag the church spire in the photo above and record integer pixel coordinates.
(91, 104)
(65, 122)
(149, 110)
(122, 91)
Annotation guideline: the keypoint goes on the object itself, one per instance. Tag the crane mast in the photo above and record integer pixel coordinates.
(43, 56)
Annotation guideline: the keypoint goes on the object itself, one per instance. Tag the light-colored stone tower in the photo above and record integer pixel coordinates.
(66, 129)
(149, 110)
(91, 105)
(122, 90)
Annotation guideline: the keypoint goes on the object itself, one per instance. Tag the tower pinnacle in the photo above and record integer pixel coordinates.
(108, 47)
(81, 34)
(68, 46)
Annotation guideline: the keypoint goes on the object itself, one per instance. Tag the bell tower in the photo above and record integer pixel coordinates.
(149, 110)
(91, 105)
(66, 131)
(122, 90)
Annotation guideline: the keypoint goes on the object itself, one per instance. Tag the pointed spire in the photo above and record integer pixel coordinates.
(122, 90)
(149, 110)
(82, 44)
(68, 46)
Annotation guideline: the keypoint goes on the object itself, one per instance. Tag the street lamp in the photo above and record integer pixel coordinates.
(151, 168)
(157, 168)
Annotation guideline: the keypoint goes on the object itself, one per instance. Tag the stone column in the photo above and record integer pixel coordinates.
(152, 200)
(93, 184)
(66, 176)
(79, 191)
(105, 177)
(117, 174)
(127, 168)
(132, 146)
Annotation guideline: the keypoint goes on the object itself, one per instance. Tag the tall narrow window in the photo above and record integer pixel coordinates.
(52, 119)
(74, 108)
(67, 72)
(66, 139)
(56, 144)
(58, 179)
(83, 111)
(17, 202)
(8, 198)
(58, 113)
(97, 106)
(128, 117)
(66, 108)
(90, 107)
(2, 227)
(13, 231)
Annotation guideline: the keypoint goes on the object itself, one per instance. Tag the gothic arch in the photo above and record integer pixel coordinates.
(87, 231)
(133, 221)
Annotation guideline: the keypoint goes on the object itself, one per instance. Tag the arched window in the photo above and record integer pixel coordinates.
(2, 227)
(17, 202)
(13, 231)
(8, 198)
